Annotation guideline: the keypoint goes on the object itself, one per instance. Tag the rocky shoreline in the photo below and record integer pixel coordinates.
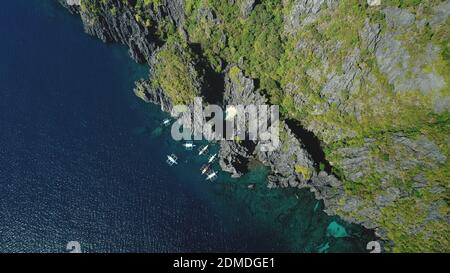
(233, 156)
(294, 164)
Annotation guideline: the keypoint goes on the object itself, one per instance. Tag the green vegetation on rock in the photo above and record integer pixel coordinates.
(175, 73)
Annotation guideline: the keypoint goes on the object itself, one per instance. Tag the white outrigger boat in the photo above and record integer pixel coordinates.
(212, 158)
(166, 122)
(189, 145)
(172, 160)
(211, 176)
(204, 169)
(203, 150)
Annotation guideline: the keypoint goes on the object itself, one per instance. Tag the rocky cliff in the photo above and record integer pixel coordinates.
(363, 88)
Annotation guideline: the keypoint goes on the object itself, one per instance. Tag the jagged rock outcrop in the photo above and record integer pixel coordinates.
(393, 58)
(119, 24)
(117, 21)
(175, 10)
(384, 162)
(291, 165)
(161, 87)
(72, 5)
(239, 90)
(146, 92)
(304, 12)
(246, 7)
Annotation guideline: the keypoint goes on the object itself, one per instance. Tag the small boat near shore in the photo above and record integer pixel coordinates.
(172, 160)
(212, 175)
(203, 150)
(189, 145)
(204, 169)
(212, 158)
(166, 122)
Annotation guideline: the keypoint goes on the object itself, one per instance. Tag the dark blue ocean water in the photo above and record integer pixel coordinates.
(82, 159)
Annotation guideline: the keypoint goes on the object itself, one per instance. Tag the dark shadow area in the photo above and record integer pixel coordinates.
(311, 144)
(257, 84)
(214, 82)
(153, 36)
(241, 163)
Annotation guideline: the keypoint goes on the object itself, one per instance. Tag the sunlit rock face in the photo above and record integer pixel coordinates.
(73, 2)
(374, 2)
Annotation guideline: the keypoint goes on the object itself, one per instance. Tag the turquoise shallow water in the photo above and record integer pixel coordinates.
(81, 158)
